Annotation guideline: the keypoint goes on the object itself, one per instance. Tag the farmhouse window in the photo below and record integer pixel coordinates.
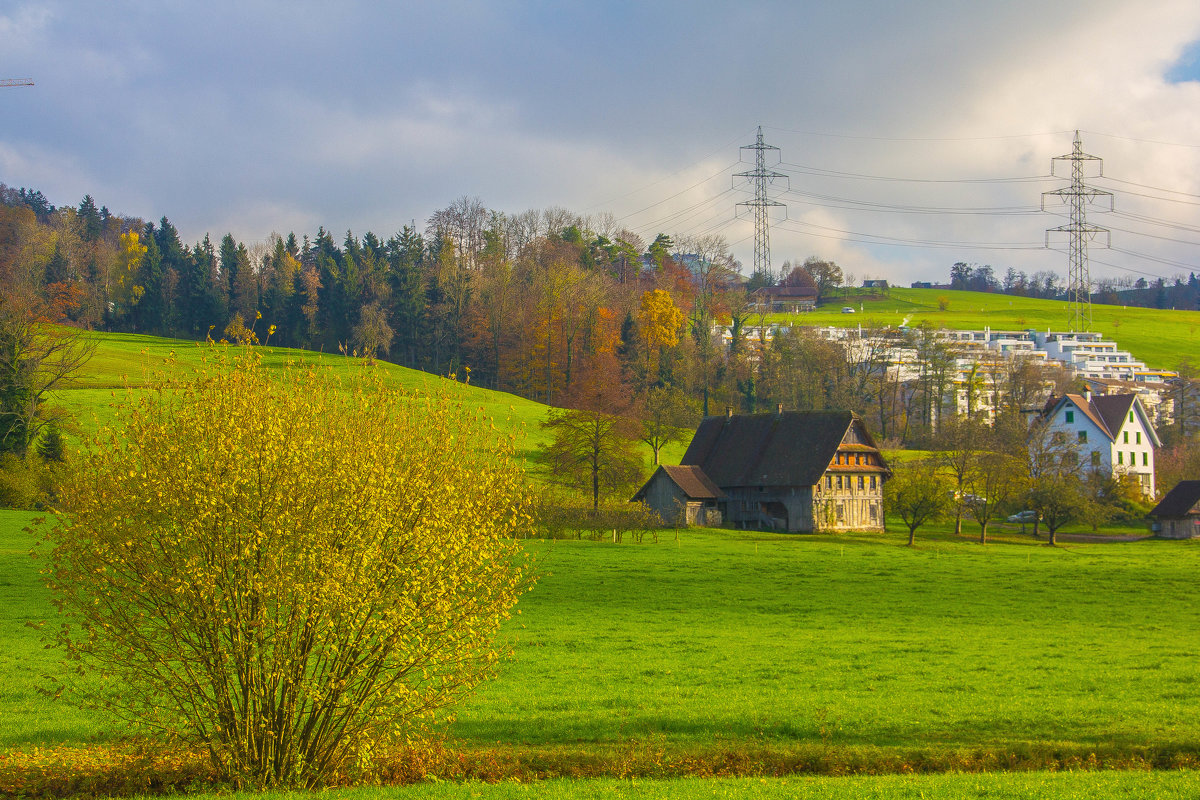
(839, 481)
(1145, 459)
(1132, 459)
(1139, 437)
(829, 482)
(1070, 416)
(1131, 416)
(873, 483)
(1095, 458)
(874, 512)
(1126, 437)
(862, 483)
(1120, 457)
(1083, 437)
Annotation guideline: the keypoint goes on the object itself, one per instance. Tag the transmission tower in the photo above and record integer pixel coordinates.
(761, 177)
(1079, 232)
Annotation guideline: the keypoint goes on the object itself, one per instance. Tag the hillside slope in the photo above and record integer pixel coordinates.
(130, 360)
(1160, 337)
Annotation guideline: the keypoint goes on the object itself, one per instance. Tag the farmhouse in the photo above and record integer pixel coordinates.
(1112, 433)
(793, 471)
(792, 299)
(1177, 516)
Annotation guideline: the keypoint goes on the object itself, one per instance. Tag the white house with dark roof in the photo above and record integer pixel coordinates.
(1112, 433)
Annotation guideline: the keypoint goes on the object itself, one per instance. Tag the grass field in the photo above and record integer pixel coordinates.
(852, 650)
(851, 646)
(1158, 337)
(1174, 785)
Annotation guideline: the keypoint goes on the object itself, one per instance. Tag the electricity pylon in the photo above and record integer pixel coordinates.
(1079, 232)
(761, 177)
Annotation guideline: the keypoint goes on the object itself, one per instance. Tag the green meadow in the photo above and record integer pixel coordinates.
(764, 653)
(849, 653)
(1159, 337)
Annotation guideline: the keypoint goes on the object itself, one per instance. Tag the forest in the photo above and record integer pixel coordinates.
(570, 311)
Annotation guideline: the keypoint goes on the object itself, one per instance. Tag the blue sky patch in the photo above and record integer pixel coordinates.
(1187, 68)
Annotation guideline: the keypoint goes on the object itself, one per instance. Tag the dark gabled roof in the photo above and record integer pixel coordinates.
(1107, 411)
(1089, 409)
(1182, 500)
(691, 480)
(800, 292)
(1113, 409)
(789, 449)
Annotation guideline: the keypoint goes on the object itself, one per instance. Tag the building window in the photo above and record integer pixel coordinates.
(1126, 439)
(873, 484)
(874, 512)
(1145, 459)
(839, 481)
(829, 482)
(1139, 437)
(1120, 457)
(1095, 458)
(1083, 437)
(1132, 459)
(1070, 417)
(1131, 416)
(862, 483)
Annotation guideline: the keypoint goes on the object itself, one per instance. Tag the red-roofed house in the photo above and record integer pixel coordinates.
(1112, 432)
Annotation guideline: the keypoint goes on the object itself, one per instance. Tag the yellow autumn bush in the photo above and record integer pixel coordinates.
(290, 570)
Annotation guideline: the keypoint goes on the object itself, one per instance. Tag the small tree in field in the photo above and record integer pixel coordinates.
(917, 494)
(995, 479)
(592, 452)
(1058, 499)
(289, 570)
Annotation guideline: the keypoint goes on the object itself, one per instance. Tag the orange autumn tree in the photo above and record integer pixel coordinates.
(289, 569)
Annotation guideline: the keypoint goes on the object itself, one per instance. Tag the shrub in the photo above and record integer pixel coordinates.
(290, 571)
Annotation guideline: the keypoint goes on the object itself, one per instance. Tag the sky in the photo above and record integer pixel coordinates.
(912, 135)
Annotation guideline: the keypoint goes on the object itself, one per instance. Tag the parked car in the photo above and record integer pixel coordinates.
(847, 310)
(1023, 517)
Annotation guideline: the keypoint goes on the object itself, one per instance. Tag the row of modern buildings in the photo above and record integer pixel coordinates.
(980, 363)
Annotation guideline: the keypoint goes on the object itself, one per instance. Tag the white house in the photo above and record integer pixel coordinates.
(1113, 433)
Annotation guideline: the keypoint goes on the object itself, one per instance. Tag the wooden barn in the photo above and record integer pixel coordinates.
(1177, 516)
(789, 471)
(682, 496)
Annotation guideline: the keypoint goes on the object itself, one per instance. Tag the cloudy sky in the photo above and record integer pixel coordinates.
(913, 135)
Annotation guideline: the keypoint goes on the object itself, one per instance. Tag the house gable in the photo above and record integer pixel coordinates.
(1118, 436)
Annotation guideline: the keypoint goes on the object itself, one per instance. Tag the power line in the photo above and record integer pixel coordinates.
(716, 174)
(920, 138)
(819, 171)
